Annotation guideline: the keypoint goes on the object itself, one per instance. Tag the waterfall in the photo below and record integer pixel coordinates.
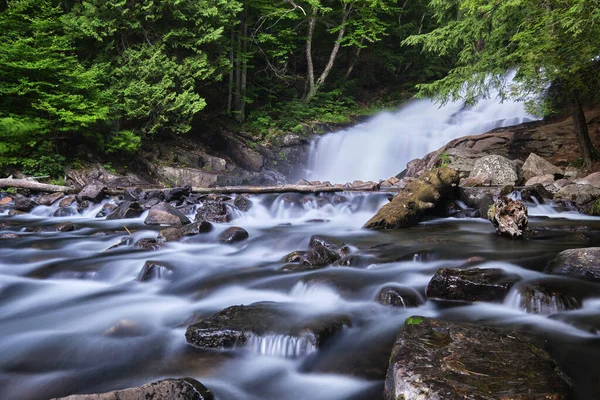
(382, 146)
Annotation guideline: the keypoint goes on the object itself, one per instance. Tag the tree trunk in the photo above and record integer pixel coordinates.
(354, 59)
(230, 89)
(244, 77)
(237, 96)
(310, 69)
(36, 186)
(588, 152)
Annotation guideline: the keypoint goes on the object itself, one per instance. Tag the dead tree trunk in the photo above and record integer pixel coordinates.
(36, 186)
(588, 152)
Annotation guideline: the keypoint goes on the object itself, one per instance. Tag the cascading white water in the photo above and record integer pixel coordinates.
(282, 345)
(381, 147)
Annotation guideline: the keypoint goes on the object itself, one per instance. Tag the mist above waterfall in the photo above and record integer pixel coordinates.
(382, 146)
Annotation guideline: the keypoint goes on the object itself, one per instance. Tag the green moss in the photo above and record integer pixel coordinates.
(595, 210)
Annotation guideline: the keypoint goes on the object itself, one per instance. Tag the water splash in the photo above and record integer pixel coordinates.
(286, 346)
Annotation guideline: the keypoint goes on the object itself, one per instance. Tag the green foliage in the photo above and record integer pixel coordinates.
(123, 142)
(413, 320)
(595, 210)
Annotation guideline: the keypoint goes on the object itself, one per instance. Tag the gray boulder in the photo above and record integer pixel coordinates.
(577, 263)
(536, 166)
(165, 214)
(438, 360)
(500, 169)
(490, 284)
(233, 234)
(582, 196)
(168, 389)
(592, 179)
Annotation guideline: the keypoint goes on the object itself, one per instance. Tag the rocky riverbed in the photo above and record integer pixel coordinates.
(286, 296)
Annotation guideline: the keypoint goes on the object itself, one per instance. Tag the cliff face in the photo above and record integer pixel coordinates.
(553, 140)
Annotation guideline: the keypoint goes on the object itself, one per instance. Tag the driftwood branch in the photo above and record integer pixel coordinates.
(268, 189)
(35, 186)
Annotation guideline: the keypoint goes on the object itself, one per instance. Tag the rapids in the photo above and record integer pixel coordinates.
(74, 319)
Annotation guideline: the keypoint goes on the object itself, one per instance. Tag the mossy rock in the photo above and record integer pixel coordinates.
(419, 198)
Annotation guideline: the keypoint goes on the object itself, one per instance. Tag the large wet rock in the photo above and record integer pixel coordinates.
(168, 389)
(233, 234)
(236, 325)
(537, 192)
(500, 169)
(165, 214)
(93, 192)
(324, 251)
(582, 196)
(127, 209)
(213, 211)
(577, 263)
(474, 284)
(547, 297)
(509, 217)
(537, 166)
(154, 270)
(398, 297)
(50, 198)
(106, 210)
(418, 199)
(24, 204)
(479, 198)
(438, 360)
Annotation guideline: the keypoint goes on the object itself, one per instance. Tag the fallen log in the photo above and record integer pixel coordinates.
(36, 186)
(268, 189)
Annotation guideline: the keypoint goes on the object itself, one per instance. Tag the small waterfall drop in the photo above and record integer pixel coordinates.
(282, 345)
(381, 147)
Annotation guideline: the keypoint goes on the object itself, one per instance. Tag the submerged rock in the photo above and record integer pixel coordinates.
(168, 389)
(147, 244)
(546, 297)
(166, 215)
(471, 284)
(238, 324)
(418, 199)
(398, 297)
(4, 236)
(577, 263)
(509, 217)
(438, 360)
(233, 234)
(500, 169)
(154, 270)
(65, 227)
(324, 251)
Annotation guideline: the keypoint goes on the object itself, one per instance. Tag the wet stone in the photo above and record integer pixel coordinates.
(65, 212)
(166, 215)
(236, 325)
(398, 297)
(577, 263)
(49, 199)
(178, 193)
(213, 211)
(475, 284)
(438, 360)
(294, 256)
(126, 209)
(4, 236)
(84, 205)
(93, 193)
(548, 297)
(242, 202)
(147, 244)
(65, 227)
(233, 234)
(196, 228)
(154, 270)
(106, 210)
(22, 203)
(324, 250)
(169, 235)
(67, 201)
(168, 389)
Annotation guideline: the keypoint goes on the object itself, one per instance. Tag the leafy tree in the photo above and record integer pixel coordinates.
(47, 97)
(549, 41)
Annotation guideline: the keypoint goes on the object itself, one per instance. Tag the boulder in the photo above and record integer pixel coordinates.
(49, 199)
(582, 196)
(24, 204)
(398, 297)
(165, 214)
(178, 193)
(577, 263)
(536, 166)
(474, 284)
(324, 251)
(154, 270)
(242, 202)
(500, 169)
(196, 228)
(169, 235)
(537, 191)
(592, 179)
(126, 209)
(213, 211)
(93, 192)
(479, 198)
(238, 324)
(64, 212)
(509, 217)
(418, 199)
(4, 201)
(168, 389)
(106, 209)
(547, 297)
(233, 234)
(541, 179)
(147, 244)
(438, 360)
(65, 227)
(67, 201)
